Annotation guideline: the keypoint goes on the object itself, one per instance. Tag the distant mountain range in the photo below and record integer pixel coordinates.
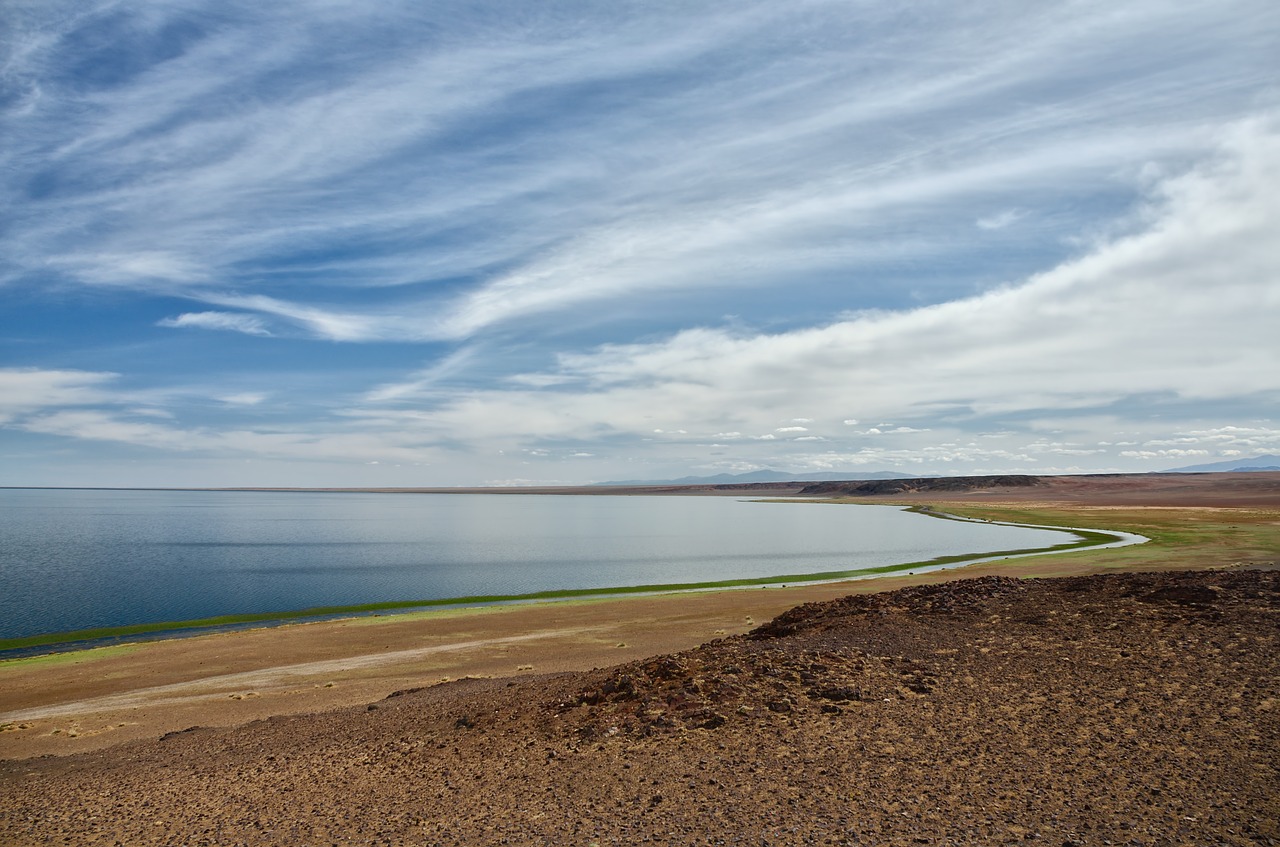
(1257, 463)
(763, 476)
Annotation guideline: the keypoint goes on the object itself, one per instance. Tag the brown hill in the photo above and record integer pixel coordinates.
(1121, 709)
(1168, 489)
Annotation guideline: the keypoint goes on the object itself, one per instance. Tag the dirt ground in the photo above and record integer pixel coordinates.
(110, 714)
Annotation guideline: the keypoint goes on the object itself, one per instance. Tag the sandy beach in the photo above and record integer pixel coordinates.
(269, 701)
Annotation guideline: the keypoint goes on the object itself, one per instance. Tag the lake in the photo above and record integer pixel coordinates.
(77, 559)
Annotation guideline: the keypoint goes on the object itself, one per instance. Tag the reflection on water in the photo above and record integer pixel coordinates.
(76, 559)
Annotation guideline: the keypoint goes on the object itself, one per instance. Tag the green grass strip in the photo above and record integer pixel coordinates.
(1084, 538)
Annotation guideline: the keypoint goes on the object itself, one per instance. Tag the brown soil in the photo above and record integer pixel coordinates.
(1124, 709)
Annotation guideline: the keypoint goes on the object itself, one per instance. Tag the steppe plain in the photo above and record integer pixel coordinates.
(1125, 696)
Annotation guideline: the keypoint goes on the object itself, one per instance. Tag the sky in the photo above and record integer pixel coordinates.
(331, 243)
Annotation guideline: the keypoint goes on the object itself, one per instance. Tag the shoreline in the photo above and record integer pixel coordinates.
(131, 693)
(87, 639)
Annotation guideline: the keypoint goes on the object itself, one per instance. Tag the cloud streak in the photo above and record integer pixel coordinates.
(23, 390)
(248, 324)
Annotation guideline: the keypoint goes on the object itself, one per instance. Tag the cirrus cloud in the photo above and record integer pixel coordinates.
(235, 322)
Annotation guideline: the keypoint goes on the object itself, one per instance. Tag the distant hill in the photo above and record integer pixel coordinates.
(761, 476)
(923, 484)
(1257, 463)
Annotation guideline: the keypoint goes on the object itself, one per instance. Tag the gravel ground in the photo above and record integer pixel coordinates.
(1127, 709)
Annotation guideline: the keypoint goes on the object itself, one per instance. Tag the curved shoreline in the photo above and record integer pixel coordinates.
(14, 648)
(1194, 523)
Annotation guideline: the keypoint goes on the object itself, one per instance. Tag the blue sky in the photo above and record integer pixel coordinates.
(402, 244)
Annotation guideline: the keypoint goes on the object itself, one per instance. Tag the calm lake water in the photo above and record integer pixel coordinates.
(73, 559)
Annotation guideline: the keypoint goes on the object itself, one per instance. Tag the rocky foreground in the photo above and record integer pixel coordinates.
(1121, 709)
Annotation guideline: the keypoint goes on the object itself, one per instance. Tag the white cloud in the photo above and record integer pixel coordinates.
(424, 382)
(24, 390)
(244, 398)
(1162, 454)
(325, 323)
(95, 425)
(140, 268)
(235, 322)
(1000, 220)
(149, 412)
(347, 446)
(1225, 440)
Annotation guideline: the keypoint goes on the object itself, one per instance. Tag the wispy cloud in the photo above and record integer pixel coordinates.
(248, 324)
(1181, 307)
(244, 398)
(324, 323)
(423, 382)
(24, 390)
(199, 168)
(1000, 220)
(93, 425)
(718, 234)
